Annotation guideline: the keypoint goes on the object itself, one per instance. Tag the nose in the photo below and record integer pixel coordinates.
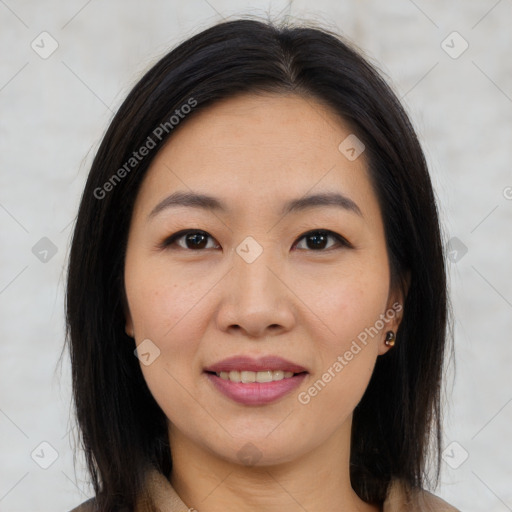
(255, 299)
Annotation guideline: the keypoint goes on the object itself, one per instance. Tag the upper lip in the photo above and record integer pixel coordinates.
(245, 363)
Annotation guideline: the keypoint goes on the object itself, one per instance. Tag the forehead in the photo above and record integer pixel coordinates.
(254, 147)
(290, 126)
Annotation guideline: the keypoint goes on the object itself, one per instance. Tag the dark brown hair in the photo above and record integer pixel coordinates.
(398, 419)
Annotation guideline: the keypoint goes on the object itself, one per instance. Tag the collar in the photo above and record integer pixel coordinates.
(399, 498)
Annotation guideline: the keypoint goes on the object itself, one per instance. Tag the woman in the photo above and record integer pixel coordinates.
(256, 299)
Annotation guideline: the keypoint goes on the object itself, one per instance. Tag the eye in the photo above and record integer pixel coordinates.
(197, 240)
(189, 239)
(318, 240)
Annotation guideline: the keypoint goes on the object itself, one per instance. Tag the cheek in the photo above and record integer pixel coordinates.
(351, 309)
(165, 307)
(167, 311)
(346, 363)
(161, 299)
(350, 304)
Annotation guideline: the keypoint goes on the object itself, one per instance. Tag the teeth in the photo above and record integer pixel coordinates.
(247, 377)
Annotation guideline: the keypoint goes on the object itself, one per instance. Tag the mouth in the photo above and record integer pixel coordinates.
(249, 377)
(255, 381)
(255, 388)
(248, 365)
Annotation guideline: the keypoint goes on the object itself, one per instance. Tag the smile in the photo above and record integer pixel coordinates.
(252, 392)
(247, 376)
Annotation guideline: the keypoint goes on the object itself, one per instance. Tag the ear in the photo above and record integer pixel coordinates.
(128, 326)
(394, 310)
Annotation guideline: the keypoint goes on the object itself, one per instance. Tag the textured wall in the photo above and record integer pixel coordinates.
(54, 109)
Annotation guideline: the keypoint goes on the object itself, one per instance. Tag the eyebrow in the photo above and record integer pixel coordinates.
(210, 203)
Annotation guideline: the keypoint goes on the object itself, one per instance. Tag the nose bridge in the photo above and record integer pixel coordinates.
(254, 277)
(255, 298)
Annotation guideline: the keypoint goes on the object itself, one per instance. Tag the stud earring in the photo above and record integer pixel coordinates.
(390, 339)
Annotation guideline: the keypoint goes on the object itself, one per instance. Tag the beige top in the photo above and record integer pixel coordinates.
(398, 499)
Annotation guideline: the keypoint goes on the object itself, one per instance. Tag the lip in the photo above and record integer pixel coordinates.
(255, 365)
(255, 393)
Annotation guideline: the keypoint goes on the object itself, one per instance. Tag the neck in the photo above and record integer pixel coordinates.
(316, 481)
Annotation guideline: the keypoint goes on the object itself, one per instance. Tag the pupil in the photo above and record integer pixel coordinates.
(319, 240)
(197, 239)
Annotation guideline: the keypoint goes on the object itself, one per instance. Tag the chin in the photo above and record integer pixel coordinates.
(258, 451)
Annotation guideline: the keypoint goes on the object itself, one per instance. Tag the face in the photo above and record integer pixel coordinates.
(252, 274)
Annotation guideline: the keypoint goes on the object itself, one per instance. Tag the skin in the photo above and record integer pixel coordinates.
(307, 305)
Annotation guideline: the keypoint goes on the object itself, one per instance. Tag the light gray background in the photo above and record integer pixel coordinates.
(54, 111)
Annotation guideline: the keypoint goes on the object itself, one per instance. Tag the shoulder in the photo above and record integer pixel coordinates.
(432, 502)
(401, 498)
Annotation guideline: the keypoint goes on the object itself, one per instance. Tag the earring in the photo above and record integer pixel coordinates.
(390, 339)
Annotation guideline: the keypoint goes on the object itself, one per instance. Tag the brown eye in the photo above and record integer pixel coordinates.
(192, 240)
(319, 240)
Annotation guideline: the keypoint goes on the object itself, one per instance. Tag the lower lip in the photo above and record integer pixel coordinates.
(256, 393)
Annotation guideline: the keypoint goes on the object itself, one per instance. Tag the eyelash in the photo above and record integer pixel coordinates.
(342, 242)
